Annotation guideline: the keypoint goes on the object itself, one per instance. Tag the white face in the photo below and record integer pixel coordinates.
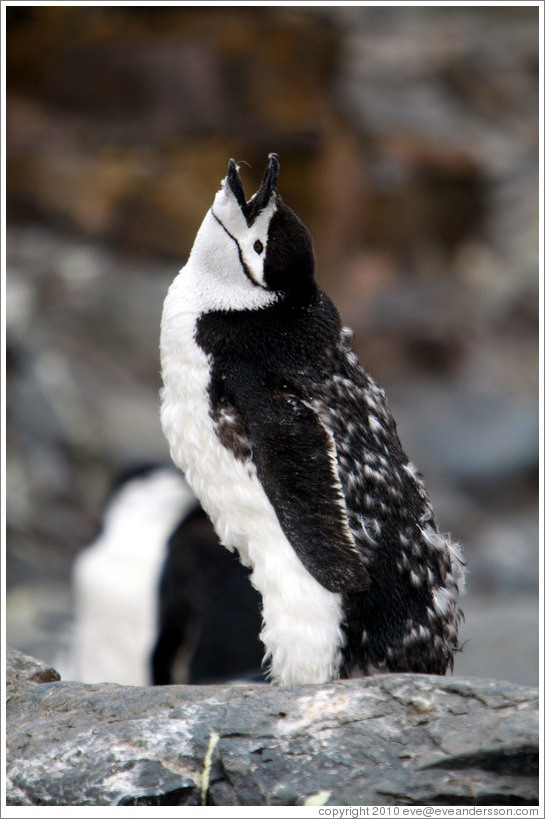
(251, 240)
(225, 268)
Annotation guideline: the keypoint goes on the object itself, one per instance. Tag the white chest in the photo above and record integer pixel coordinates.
(301, 619)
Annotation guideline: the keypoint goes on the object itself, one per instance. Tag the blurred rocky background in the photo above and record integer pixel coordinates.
(408, 140)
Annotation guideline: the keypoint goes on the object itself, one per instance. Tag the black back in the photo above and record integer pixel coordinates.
(286, 372)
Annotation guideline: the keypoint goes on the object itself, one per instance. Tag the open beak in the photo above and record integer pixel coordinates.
(261, 198)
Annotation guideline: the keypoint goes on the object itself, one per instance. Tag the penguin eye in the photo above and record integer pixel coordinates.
(258, 246)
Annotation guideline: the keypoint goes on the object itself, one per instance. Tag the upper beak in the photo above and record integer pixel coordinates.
(268, 185)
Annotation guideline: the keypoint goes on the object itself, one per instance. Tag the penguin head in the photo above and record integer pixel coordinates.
(258, 250)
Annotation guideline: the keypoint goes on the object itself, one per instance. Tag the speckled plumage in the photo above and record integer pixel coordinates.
(408, 618)
(292, 450)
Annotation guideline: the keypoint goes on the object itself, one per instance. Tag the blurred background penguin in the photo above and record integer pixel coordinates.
(157, 599)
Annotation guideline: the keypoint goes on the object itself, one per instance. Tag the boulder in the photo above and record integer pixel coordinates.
(395, 739)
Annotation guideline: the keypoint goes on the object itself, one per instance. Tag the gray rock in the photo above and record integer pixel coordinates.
(387, 740)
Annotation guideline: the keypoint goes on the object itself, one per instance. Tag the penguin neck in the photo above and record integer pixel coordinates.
(304, 295)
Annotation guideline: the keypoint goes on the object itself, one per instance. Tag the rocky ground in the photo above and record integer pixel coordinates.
(408, 143)
(401, 739)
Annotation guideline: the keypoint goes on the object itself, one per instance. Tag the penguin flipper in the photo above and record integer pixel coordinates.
(296, 462)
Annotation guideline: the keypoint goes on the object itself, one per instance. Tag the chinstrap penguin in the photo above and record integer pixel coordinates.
(291, 448)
